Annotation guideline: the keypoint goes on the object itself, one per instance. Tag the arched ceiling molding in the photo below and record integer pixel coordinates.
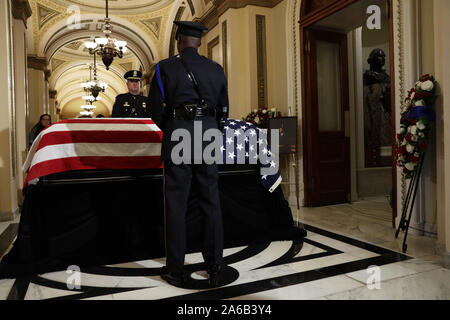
(70, 98)
(201, 7)
(132, 46)
(65, 111)
(168, 32)
(200, 10)
(75, 89)
(91, 22)
(68, 55)
(73, 86)
(111, 92)
(83, 66)
(70, 83)
(186, 16)
(128, 7)
(138, 40)
(65, 102)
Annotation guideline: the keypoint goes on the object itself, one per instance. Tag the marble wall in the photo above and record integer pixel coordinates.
(8, 151)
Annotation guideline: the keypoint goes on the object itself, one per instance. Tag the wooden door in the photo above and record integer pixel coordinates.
(327, 119)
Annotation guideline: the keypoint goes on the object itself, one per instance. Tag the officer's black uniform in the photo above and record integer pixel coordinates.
(134, 106)
(172, 86)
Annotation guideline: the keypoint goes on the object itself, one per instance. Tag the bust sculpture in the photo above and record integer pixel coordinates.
(377, 102)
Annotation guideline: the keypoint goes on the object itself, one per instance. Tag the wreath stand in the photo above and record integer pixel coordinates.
(409, 202)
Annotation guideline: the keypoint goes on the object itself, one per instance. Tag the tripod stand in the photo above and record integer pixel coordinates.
(409, 202)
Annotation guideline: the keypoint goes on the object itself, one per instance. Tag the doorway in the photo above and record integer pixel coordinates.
(327, 96)
(348, 91)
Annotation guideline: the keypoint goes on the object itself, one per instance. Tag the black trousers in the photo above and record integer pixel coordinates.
(177, 184)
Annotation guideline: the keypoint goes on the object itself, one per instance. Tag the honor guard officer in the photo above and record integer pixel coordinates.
(194, 89)
(132, 104)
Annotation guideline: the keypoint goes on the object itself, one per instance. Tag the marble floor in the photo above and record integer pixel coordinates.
(350, 252)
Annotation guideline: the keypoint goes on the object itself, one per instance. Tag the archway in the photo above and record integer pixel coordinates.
(339, 17)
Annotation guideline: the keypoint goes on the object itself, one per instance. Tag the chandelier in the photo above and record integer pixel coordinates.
(88, 107)
(106, 47)
(93, 87)
(87, 110)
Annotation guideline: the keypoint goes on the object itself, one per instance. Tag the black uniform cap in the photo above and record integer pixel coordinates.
(133, 75)
(189, 28)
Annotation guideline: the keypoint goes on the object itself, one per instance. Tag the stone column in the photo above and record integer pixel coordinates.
(37, 89)
(8, 151)
(442, 67)
(52, 105)
(237, 61)
(21, 12)
(47, 75)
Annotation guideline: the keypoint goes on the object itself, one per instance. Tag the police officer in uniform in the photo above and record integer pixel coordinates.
(132, 104)
(205, 102)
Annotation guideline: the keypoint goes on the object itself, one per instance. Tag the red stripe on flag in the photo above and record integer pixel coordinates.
(89, 163)
(108, 120)
(63, 137)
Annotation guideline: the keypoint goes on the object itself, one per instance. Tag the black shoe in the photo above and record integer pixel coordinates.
(303, 232)
(173, 278)
(214, 275)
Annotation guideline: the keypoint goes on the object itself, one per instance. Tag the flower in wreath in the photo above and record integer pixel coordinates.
(260, 117)
(417, 117)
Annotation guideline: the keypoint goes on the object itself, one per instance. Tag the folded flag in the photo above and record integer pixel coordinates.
(244, 143)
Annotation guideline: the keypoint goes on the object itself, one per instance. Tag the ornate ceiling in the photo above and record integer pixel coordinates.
(69, 67)
(58, 28)
(115, 5)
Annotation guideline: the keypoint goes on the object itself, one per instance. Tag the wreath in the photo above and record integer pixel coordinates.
(417, 116)
(260, 118)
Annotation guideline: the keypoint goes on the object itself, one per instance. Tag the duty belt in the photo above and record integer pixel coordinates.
(192, 111)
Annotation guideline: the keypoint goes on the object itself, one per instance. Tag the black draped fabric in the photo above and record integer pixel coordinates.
(88, 221)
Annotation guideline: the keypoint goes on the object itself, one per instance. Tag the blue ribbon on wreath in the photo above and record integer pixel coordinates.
(418, 112)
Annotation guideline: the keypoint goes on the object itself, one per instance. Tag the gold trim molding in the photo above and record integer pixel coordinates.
(225, 48)
(174, 30)
(211, 18)
(261, 60)
(400, 76)
(295, 56)
(214, 42)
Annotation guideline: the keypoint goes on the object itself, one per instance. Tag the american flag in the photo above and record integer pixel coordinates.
(244, 143)
(82, 144)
